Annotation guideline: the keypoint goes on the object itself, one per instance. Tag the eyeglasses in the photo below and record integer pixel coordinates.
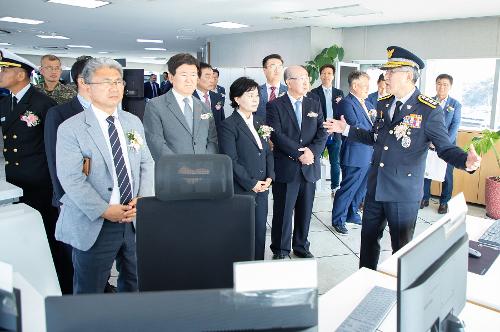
(274, 67)
(109, 84)
(300, 79)
(51, 68)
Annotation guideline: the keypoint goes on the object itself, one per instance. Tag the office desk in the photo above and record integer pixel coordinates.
(335, 305)
(9, 193)
(483, 290)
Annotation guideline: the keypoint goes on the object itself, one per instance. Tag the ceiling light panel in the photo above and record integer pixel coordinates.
(20, 20)
(227, 25)
(81, 3)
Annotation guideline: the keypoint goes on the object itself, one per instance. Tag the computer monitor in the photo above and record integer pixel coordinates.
(10, 311)
(432, 275)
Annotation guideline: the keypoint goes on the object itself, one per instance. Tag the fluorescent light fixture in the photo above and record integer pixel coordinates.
(103, 52)
(81, 3)
(185, 37)
(156, 41)
(5, 44)
(51, 37)
(155, 49)
(227, 25)
(149, 57)
(79, 46)
(20, 20)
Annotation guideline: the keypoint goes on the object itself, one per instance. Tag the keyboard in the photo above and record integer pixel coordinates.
(492, 235)
(370, 312)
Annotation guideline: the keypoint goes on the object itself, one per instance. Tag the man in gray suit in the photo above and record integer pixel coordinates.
(175, 123)
(104, 166)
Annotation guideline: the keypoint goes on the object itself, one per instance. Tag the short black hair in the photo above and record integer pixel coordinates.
(202, 66)
(328, 65)
(181, 59)
(445, 76)
(355, 75)
(239, 87)
(381, 78)
(216, 71)
(269, 57)
(77, 68)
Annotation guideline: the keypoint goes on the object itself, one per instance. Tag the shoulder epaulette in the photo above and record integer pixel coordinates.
(384, 97)
(428, 101)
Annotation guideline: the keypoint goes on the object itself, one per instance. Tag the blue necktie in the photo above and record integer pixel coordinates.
(119, 161)
(298, 112)
(329, 106)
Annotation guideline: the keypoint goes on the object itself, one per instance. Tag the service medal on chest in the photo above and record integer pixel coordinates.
(406, 141)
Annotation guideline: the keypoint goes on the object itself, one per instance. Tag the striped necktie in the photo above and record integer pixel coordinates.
(119, 161)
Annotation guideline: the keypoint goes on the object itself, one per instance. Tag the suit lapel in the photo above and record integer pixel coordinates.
(263, 93)
(243, 126)
(384, 106)
(22, 106)
(197, 117)
(360, 107)
(290, 110)
(283, 89)
(173, 107)
(97, 136)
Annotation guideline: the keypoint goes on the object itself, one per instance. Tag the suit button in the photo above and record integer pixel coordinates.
(110, 189)
(381, 164)
(4, 150)
(6, 162)
(409, 174)
(14, 136)
(260, 153)
(262, 171)
(15, 150)
(390, 132)
(17, 164)
(300, 141)
(386, 148)
(4, 137)
(194, 143)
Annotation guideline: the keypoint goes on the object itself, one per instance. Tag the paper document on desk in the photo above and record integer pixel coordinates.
(435, 167)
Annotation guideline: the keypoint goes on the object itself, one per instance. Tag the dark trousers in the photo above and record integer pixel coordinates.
(401, 217)
(446, 187)
(92, 267)
(333, 148)
(260, 224)
(350, 195)
(294, 198)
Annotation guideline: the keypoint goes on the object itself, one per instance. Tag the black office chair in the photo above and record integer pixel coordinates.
(191, 232)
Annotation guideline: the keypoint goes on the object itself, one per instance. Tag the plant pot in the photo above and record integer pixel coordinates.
(492, 197)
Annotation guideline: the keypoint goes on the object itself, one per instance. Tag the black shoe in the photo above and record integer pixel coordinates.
(279, 256)
(424, 203)
(110, 288)
(356, 222)
(443, 208)
(340, 229)
(303, 254)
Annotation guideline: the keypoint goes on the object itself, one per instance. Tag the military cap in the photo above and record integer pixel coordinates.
(11, 60)
(399, 57)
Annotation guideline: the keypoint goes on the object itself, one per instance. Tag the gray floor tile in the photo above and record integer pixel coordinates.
(332, 270)
(326, 244)
(323, 204)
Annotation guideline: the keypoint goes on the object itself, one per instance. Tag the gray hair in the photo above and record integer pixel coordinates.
(416, 74)
(97, 63)
(286, 74)
(356, 75)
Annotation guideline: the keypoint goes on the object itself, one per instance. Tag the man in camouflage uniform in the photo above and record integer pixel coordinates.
(51, 70)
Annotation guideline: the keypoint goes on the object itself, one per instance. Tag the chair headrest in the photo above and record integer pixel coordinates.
(188, 177)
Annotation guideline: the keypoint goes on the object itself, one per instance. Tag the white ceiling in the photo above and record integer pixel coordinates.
(116, 27)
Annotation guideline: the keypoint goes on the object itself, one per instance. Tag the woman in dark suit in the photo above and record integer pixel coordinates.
(244, 139)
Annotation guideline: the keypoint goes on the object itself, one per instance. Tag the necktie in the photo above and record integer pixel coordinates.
(397, 110)
(207, 101)
(14, 102)
(188, 114)
(298, 112)
(273, 93)
(119, 161)
(154, 90)
(329, 107)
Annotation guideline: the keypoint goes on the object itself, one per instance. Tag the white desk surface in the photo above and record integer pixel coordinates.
(9, 191)
(483, 290)
(340, 301)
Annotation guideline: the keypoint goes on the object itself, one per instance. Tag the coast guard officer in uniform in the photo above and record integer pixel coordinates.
(407, 122)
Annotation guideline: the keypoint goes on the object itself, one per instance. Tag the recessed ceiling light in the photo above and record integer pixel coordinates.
(81, 3)
(20, 20)
(155, 49)
(185, 37)
(156, 41)
(227, 25)
(51, 37)
(5, 44)
(79, 46)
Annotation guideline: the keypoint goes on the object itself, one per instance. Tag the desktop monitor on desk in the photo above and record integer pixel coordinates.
(432, 275)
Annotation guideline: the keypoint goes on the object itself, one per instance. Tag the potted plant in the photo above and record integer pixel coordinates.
(483, 144)
(326, 56)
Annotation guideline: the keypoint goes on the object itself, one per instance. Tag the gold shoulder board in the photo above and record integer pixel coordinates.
(428, 101)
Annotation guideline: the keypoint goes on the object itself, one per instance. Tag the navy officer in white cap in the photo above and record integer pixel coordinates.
(407, 122)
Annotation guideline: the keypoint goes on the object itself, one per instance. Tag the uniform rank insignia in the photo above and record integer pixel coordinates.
(413, 120)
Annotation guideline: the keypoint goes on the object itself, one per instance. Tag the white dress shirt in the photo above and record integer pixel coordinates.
(103, 123)
(202, 97)
(22, 92)
(249, 123)
(180, 100)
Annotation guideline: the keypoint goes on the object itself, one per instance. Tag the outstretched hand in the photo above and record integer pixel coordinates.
(335, 126)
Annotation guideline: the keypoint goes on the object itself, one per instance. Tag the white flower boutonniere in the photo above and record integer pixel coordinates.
(402, 131)
(338, 99)
(218, 106)
(30, 118)
(206, 116)
(450, 108)
(265, 131)
(312, 114)
(135, 140)
(281, 94)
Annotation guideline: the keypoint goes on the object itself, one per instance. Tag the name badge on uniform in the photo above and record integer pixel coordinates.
(413, 120)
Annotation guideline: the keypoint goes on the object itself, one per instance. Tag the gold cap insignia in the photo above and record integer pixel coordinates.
(389, 53)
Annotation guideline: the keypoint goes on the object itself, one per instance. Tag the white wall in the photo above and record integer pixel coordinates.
(324, 37)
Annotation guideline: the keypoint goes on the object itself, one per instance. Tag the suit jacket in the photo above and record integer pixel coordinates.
(148, 90)
(167, 131)
(336, 93)
(372, 98)
(24, 149)
(288, 138)
(217, 106)
(452, 113)
(165, 86)
(397, 172)
(263, 97)
(55, 116)
(87, 197)
(221, 90)
(353, 153)
(250, 163)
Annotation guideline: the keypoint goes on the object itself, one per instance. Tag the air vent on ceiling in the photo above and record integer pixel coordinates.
(51, 48)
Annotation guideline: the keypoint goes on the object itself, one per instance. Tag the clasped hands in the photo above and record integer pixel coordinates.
(262, 186)
(307, 157)
(121, 213)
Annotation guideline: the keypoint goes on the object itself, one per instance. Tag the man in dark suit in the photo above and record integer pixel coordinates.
(452, 112)
(165, 84)
(406, 123)
(329, 98)
(381, 91)
(22, 117)
(213, 101)
(218, 88)
(355, 157)
(151, 88)
(299, 140)
(272, 89)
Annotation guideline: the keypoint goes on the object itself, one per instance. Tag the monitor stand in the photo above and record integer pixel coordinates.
(450, 324)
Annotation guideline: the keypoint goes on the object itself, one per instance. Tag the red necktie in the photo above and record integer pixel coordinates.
(207, 102)
(273, 93)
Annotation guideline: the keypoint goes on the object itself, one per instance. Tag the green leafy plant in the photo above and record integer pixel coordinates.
(326, 56)
(485, 143)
